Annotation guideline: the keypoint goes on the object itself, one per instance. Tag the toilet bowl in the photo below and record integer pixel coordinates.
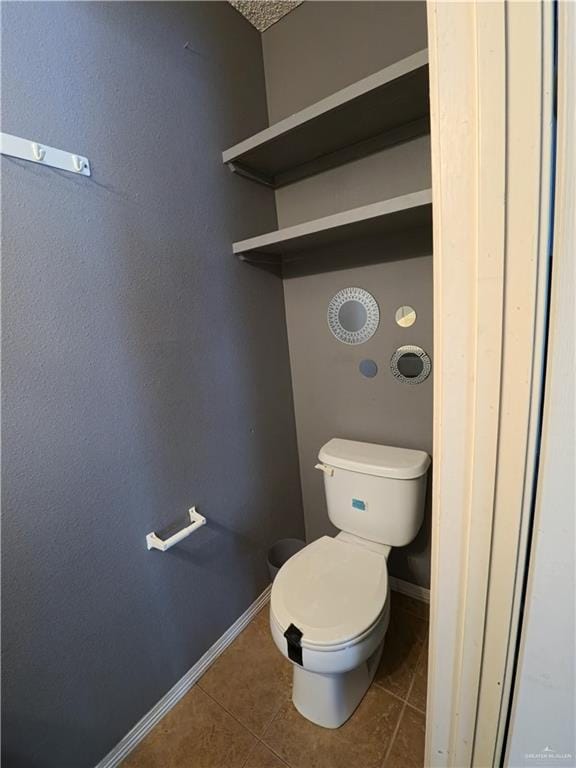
(336, 593)
(330, 603)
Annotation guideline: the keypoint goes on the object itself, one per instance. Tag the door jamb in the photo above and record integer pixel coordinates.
(491, 78)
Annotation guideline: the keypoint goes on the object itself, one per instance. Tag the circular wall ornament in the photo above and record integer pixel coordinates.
(368, 368)
(353, 315)
(410, 364)
(405, 316)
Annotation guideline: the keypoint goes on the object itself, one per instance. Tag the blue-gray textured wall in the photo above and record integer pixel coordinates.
(144, 370)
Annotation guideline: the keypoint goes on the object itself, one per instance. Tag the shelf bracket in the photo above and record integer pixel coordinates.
(248, 173)
(261, 258)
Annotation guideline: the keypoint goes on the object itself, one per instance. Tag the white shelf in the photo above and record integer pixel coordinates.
(392, 103)
(412, 210)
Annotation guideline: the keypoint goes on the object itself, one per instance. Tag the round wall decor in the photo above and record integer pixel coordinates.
(368, 368)
(405, 316)
(353, 315)
(410, 364)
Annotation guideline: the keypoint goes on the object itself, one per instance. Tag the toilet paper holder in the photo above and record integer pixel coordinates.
(153, 541)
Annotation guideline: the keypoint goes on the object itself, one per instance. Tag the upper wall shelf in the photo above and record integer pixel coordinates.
(412, 210)
(389, 106)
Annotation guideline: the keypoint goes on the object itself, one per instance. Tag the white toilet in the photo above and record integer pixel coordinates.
(330, 603)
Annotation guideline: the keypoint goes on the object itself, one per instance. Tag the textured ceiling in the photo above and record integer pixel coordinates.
(263, 13)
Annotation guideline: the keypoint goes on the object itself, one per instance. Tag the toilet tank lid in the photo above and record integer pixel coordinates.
(372, 459)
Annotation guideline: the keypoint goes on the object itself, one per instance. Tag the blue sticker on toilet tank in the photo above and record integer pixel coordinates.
(359, 504)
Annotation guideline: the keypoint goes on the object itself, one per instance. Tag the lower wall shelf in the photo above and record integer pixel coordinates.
(406, 211)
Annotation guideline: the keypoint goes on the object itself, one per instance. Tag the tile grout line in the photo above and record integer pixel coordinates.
(403, 699)
(393, 739)
(416, 709)
(263, 743)
(408, 702)
(404, 705)
(245, 727)
(273, 751)
(259, 739)
(266, 743)
(250, 751)
(233, 716)
(266, 729)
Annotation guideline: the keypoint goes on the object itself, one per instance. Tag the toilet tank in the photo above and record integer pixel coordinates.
(375, 491)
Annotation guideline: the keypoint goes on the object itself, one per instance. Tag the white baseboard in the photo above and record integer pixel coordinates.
(411, 590)
(145, 725)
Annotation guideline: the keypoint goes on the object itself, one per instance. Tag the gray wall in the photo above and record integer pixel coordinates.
(145, 369)
(314, 51)
(320, 48)
(323, 46)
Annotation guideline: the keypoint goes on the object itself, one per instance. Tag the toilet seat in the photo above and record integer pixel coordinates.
(333, 591)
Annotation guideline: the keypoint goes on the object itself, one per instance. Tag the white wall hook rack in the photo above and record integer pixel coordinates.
(24, 149)
(38, 152)
(153, 541)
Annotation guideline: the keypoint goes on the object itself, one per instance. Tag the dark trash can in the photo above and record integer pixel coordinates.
(281, 552)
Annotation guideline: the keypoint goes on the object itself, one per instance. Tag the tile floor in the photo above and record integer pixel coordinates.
(239, 714)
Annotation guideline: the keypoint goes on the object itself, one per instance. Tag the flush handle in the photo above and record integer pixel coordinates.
(326, 469)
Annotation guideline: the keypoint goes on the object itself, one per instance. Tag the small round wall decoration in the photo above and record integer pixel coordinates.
(353, 315)
(405, 316)
(368, 368)
(410, 364)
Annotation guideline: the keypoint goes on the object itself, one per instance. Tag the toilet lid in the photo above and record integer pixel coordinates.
(331, 590)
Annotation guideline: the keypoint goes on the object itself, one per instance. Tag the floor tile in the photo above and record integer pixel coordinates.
(363, 740)
(402, 645)
(417, 695)
(251, 679)
(408, 747)
(262, 757)
(196, 733)
(417, 607)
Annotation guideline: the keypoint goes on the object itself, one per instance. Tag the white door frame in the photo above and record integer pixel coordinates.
(491, 78)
